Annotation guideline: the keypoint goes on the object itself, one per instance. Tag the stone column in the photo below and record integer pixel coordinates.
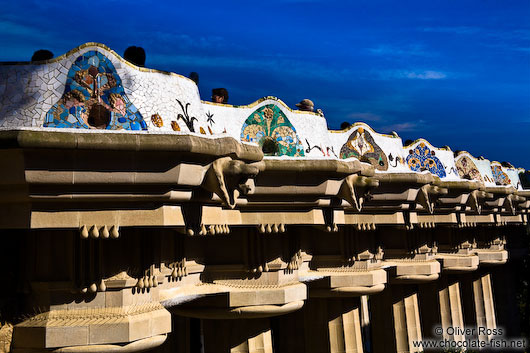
(344, 325)
(479, 309)
(451, 309)
(237, 336)
(366, 323)
(446, 293)
(505, 282)
(396, 319)
(323, 325)
(483, 297)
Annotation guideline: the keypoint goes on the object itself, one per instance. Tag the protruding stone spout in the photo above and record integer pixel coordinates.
(227, 179)
(354, 189)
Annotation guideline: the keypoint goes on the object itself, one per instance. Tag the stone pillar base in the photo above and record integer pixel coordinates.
(479, 310)
(396, 319)
(324, 325)
(237, 336)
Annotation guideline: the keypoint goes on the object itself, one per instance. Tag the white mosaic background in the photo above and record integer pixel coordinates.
(512, 173)
(484, 167)
(28, 91)
(446, 157)
(308, 126)
(389, 144)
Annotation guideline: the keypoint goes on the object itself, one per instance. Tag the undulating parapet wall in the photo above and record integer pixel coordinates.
(93, 88)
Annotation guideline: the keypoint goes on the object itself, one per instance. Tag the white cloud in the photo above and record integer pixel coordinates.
(426, 75)
(400, 127)
(412, 75)
(402, 51)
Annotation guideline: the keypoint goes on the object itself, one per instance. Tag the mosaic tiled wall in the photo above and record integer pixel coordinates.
(94, 97)
(361, 145)
(360, 141)
(28, 91)
(422, 156)
(269, 125)
(467, 169)
(302, 133)
(500, 177)
(506, 176)
(92, 87)
(490, 173)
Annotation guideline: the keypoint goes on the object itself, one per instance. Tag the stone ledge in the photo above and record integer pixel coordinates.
(458, 263)
(492, 257)
(126, 141)
(63, 328)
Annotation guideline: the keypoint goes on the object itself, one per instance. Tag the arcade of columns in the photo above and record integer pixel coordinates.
(292, 266)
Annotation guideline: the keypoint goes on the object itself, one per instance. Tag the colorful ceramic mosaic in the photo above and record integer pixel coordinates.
(421, 158)
(186, 118)
(501, 178)
(175, 126)
(94, 98)
(467, 169)
(209, 117)
(157, 120)
(362, 146)
(310, 148)
(269, 127)
(396, 160)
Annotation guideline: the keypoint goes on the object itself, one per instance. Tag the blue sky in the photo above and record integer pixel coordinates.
(454, 72)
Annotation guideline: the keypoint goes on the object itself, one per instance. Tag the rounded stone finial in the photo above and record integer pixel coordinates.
(83, 232)
(94, 232)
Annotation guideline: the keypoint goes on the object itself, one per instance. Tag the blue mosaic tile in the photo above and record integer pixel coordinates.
(422, 158)
(92, 82)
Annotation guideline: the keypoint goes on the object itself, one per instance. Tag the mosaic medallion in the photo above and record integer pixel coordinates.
(421, 158)
(269, 127)
(501, 178)
(467, 169)
(94, 98)
(362, 146)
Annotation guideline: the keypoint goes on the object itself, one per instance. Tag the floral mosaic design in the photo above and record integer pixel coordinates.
(94, 98)
(269, 127)
(467, 169)
(421, 158)
(501, 178)
(186, 118)
(362, 146)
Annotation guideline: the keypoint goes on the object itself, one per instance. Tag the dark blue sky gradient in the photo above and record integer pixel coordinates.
(454, 72)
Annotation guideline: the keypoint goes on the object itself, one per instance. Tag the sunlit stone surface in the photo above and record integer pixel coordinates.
(136, 216)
